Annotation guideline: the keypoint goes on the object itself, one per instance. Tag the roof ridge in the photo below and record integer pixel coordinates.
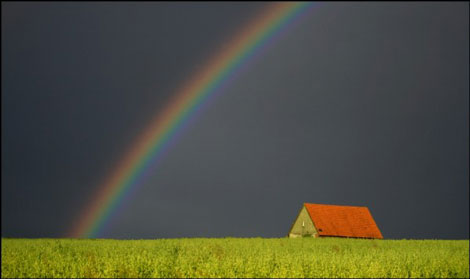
(324, 204)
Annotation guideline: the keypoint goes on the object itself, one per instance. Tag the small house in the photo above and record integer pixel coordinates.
(322, 220)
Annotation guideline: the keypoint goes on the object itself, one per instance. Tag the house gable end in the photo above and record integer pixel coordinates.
(303, 225)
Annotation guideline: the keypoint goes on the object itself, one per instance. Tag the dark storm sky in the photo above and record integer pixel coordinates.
(362, 104)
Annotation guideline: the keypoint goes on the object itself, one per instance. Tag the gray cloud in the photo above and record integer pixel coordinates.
(360, 104)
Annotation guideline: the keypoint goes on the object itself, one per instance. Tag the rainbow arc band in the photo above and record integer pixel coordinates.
(186, 101)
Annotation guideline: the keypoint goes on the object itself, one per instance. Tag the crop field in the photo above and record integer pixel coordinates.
(234, 257)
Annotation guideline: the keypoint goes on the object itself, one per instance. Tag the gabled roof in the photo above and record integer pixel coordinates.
(346, 221)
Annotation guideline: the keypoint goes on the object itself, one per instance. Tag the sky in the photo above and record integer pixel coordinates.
(362, 104)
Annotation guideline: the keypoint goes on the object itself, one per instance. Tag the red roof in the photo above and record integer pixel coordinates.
(346, 221)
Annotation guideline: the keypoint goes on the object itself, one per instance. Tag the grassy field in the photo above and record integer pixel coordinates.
(235, 257)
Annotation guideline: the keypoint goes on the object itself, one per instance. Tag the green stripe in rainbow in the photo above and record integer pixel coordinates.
(189, 98)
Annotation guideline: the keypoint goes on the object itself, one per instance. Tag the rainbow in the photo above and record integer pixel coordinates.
(188, 100)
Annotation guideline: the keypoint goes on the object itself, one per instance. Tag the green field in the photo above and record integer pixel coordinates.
(235, 257)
